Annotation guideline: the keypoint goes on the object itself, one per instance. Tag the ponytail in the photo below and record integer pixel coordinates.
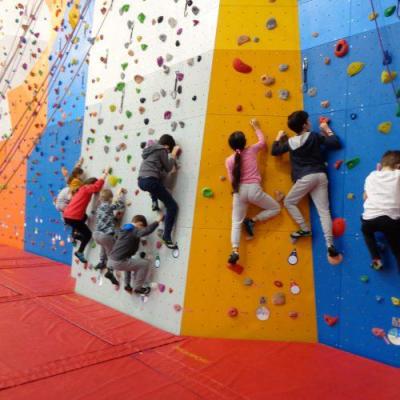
(236, 172)
(237, 142)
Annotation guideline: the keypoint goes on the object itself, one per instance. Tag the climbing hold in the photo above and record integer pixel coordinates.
(293, 259)
(354, 68)
(364, 278)
(239, 108)
(373, 16)
(329, 320)
(113, 180)
(338, 164)
(293, 314)
(351, 196)
(128, 114)
(271, 24)
(172, 22)
(113, 107)
(233, 312)
(338, 227)
(267, 80)
(241, 67)
(379, 299)
(353, 116)
(167, 115)
(248, 282)
(284, 94)
(262, 313)
(278, 283)
(242, 39)
(157, 262)
(161, 287)
(294, 288)
(315, 34)
(141, 17)
(268, 94)
(312, 91)
(387, 77)
(283, 67)
(385, 127)
(350, 164)
(207, 192)
(120, 87)
(124, 9)
(278, 299)
(237, 268)
(389, 11)
(387, 58)
(177, 307)
(395, 301)
(327, 60)
(341, 48)
(325, 104)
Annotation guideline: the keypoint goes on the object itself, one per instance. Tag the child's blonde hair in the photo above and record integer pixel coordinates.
(106, 195)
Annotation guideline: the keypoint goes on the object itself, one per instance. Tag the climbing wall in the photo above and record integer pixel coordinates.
(153, 80)
(359, 296)
(219, 302)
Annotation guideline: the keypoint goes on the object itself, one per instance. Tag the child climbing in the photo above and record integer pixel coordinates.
(105, 223)
(382, 207)
(152, 170)
(75, 213)
(308, 173)
(75, 180)
(123, 254)
(245, 177)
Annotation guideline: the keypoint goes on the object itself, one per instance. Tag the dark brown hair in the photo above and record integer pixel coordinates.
(391, 159)
(237, 142)
(140, 218)
(75, 174)
(297, 120)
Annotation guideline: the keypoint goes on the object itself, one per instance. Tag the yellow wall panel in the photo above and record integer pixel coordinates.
(212, 289)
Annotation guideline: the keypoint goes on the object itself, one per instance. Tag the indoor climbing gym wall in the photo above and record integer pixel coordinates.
(351, 56)
(153, 80)
(256, 74)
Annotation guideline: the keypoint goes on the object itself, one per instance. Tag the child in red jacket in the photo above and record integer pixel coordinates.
(75, 213)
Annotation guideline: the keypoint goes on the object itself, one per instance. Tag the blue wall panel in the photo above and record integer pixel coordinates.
(59, 146)
(339, 290)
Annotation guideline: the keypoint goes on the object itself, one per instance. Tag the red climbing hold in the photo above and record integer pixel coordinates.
(241, 67)
(329, 320)
(338, 227)
(324, 119)
(236, 268)
(338, 164)
(341, 48)
(233, 312)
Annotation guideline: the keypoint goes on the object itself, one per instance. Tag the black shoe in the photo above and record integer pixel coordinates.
(100, 266)
(332, 252)
(233, 258)
(249, 226)
(143, 290)
(300, 233)
(109, 275)
(80, 257)
(154, 205)
(128, 288)
(170, 244)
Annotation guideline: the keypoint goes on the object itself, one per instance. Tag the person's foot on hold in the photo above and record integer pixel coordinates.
(143, 290)
(249, 226)
(100, 266)
(170, 244)
(377, 264)
(300, 233)
(109, 275)
(128, 288)
(233, 258)
(154, 205)
(81, 257)
(332, 252)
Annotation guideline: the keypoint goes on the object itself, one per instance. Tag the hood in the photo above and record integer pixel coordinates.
(152, 149)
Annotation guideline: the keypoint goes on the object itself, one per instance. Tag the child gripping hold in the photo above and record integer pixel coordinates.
(382, 208)
(245, 177)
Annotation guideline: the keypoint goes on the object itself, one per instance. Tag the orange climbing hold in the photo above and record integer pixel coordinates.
(341, 48)
(241, 67)
(330, 321)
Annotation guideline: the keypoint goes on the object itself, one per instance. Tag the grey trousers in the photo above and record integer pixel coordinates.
(250, 193)
(316, 185)
(140, 266)
(106, 243)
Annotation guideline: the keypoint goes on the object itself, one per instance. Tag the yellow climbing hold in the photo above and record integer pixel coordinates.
(113, 180)
(387, 78)
(385, 127)
(73, 16)
(354, 68)
(373, 16)
(395, 301)
(113, 108)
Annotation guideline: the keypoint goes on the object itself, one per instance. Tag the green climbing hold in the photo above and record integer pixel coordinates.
(364, 278)
(350, 164)
(398, 111)
(207, 192)
(120, 87)
(398, 93)
(128, 114)
(124, 9)
(107, 139)
(141, 17)
(144, 47)
(128, 158)
(124, 66)
(389, 11)
(90, 140)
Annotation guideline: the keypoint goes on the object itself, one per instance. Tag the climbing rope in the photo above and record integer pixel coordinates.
(61, 60)
(5, 185)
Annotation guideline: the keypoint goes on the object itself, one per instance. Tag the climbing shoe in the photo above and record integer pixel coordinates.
(233, 258)
(143, 290)
(332, 252)
(128, 288)
(80, 257)
(154, 205)
(249, 226)
(170, 244)
(376, 264)
(100, 266)
(300, 233)
(109, 275)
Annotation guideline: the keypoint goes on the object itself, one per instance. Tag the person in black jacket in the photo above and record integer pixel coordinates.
(123, 254)
(308, 172)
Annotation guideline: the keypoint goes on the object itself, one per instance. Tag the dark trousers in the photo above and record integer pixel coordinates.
(158, 191)
(389, 227)
(81, 232)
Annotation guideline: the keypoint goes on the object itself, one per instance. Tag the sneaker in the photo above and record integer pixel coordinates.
(300, 233)
(128, 288)
(377, 264)
(249, 226)
(233, 258)
(109, 275)
(170, 244)
(100, 266)
(154, 205)
(143, 290)
(332, 252)
(80, 257)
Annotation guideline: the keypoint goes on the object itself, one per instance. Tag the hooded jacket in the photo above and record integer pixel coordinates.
(155, 162)
(128, 241)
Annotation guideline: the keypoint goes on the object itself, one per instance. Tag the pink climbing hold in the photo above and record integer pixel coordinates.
(241, 67)
(338, 227)
(160, 61)
(167, 115)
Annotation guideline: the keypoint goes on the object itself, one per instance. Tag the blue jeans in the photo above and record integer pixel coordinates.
(158, 191)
